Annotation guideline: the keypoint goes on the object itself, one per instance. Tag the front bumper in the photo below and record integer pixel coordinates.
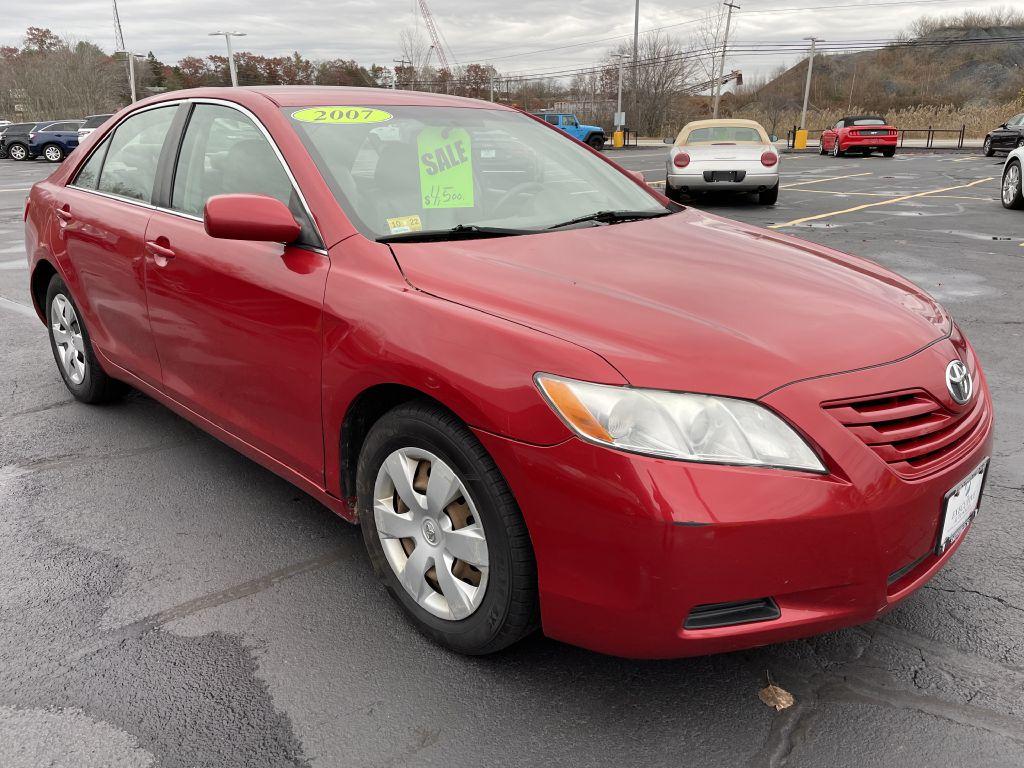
(627, 546)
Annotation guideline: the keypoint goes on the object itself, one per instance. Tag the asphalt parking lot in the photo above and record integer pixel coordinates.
(165, 601)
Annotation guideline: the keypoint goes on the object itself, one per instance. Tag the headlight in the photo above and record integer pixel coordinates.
(678, 425)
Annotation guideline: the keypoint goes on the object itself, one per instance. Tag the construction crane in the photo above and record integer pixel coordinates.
(435, 37)
(118, 35)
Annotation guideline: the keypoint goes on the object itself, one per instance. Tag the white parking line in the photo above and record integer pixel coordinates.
(17, 264)
(17, 307)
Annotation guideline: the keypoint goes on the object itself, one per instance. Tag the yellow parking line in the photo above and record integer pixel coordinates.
(890, 201)
(826, 178)
(830, 192)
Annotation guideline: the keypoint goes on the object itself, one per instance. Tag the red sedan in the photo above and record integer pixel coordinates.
(552, 399)
(859, 133)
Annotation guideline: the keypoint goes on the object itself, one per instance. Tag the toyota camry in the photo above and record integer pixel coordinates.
(551, 398)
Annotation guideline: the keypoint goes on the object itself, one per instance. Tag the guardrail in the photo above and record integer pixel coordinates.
(929, 134)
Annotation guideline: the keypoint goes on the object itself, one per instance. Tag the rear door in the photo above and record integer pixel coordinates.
(65, 134)
(237, 323)
(102, 217)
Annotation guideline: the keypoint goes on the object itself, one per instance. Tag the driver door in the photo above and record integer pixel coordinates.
(237, 324)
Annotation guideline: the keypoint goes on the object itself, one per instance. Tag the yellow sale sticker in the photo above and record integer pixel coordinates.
(400, 224)
(446, 168)
(341, 115)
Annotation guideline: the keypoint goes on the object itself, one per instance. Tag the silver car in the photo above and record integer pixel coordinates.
(723, 156)
(1011, 191)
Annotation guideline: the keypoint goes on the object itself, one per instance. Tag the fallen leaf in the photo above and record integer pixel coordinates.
(774, 696)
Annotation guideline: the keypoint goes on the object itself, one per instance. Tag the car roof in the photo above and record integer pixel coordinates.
(728, 123)
(319, 95)
(863, 117)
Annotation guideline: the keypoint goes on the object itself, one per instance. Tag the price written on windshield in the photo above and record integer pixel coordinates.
(446, 168)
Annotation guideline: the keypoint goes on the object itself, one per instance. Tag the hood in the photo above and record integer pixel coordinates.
(690, 301)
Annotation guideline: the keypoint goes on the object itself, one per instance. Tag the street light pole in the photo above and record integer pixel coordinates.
(401, 65)
(721, 64)
(807, 85)
(618, 110)
(231, 54)
(636, 45)
(131, 71)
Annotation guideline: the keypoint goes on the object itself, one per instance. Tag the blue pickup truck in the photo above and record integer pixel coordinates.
(588, 134)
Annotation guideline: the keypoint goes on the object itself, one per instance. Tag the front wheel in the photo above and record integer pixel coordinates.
(72, 348)
(53, 152)
(768, 196)
(596, 141)
(988, 147)
(17, 152)
(444, 533)
(836, 151)
(1012, 194)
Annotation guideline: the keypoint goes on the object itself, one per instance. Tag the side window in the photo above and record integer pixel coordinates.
(553, 119)
(90, 172)
(569, 121)
(223, 153)
(129, 169)
(838, 125)
(58, 127)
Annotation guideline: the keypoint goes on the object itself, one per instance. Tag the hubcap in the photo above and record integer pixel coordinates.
(67, 335)
(16, 153)
(431, 534)
(52, 153)
(1011, 183)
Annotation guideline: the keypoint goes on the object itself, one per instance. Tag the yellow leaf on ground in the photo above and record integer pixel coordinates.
(774, 696)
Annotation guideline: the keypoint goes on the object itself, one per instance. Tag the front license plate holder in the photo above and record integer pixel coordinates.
(959, 506)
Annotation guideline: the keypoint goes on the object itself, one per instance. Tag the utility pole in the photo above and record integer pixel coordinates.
(807, 85)
(401, 65)
(636, 44)
(618, 109)
(721, 64)
(131, 71)
(231, 54)
(492, 87)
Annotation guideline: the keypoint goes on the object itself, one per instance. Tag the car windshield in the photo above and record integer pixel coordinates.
(407, 169)
(724, 134)
(868, 121)
(95, 121)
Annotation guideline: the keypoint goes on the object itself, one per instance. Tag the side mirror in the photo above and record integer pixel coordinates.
(773, 137)
(668, 140)
(250, 217)
(1003, 125)
(637, 175)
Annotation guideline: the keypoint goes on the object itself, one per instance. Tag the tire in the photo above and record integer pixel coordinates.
(769, 196)
(508, 609)
(596, 141)
(93, 385)
(891, 152)
(1020, 143)
(673, 194)
(988, 147)
(821, 148)
(1011, 194)
(54, 153)
(836, 151)
(17, 151)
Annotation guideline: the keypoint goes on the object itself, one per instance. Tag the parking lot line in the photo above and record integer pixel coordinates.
(824, 178)
(890, 201)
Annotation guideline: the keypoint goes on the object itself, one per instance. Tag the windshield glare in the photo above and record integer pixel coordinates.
(723, 133)
(407, 169)
(869, 121)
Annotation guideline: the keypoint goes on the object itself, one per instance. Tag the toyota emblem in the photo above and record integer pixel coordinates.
(958, 382)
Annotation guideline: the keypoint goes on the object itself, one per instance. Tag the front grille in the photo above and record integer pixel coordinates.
(911, 431)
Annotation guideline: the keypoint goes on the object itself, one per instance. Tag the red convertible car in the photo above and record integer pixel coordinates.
(859, 133)
(552, 399)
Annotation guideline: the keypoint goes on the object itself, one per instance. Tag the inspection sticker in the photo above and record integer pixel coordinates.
(341, 115)
(446, 168)
(401, 224)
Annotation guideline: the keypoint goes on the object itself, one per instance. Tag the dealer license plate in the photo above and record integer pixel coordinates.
(960, 506)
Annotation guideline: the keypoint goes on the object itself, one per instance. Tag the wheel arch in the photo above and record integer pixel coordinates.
(362, 413)
(42, 273)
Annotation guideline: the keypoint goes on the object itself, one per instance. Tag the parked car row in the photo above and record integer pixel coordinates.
(50, 139)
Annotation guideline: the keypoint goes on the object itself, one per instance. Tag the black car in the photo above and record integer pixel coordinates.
(1006, 137)
(16, 135)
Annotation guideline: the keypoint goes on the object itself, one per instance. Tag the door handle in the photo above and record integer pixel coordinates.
(64, 216)
(161, 254)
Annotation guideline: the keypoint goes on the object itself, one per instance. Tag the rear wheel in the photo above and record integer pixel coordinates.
(17, 151)
(53, 152)
(988, 147)
(673, 194)
(889, 152)
(443, 531)
(1012, 194)
(72, 349)
(769, 196)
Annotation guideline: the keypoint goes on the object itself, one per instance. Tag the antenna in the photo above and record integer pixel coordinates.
(118, 34)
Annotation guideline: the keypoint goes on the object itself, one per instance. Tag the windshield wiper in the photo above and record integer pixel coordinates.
(458, 232)
(612, 217)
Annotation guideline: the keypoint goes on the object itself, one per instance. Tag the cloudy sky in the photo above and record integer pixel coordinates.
(477, 30)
